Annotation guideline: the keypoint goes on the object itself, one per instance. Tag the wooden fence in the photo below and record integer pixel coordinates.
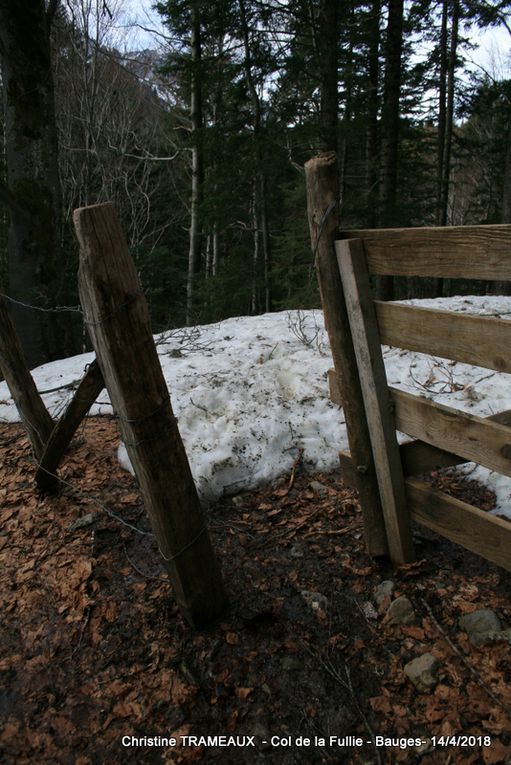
(444, 436)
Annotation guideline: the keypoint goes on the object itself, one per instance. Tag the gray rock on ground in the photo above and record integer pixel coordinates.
(400, 612)
(423, 671)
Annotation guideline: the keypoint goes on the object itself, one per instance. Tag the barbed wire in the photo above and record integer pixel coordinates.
(55, 309)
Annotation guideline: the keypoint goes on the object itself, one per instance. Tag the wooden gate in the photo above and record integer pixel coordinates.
(444, 436)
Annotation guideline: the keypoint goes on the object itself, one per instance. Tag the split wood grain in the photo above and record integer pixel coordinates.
(373, 381)
(323, 216)
(476, 439)
(117, 319)
(479, 340)
(458, 521)
(468, 252)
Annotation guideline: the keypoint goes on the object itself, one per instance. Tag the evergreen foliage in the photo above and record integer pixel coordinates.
(256, 70)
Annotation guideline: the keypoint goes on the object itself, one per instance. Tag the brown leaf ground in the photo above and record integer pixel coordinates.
(93, 647)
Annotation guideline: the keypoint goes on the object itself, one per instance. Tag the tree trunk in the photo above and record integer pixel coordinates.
(372, 145)
(449, 115)
(34, 257)
(442, 91)
(196, 117)
(390, 130)
(328, 58)
(260, 216)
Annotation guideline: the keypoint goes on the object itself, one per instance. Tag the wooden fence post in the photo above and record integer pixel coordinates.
(32, 411)
(322, 205)
(118, 322)
(373, 382)
(87, 392)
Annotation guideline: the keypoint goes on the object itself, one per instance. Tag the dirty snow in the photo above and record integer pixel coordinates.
(251, 392)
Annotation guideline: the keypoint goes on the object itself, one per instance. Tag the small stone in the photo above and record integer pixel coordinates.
(238, 500)
(317, 487)
(369, 610)
(315, 600)
(400, 611)
(296, 551)
(492, 636)
(478, 623)
(384, 591)
(83, 522)
(422, 671)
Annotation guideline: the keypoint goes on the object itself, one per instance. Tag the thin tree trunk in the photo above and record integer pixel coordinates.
(260, 217)
(196, 117)
(390, 130)
(343, 152)
(256, 254)
(328, 59)
(372, 146)
(442, 90)
(449, 115)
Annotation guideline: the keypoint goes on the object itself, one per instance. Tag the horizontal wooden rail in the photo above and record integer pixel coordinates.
(417, 458)
(463, 252)
(480, 340)
(476, 530)
(474, 438)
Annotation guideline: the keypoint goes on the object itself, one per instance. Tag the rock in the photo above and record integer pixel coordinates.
(492, 636)
(369, 610)
(400, 611)
(422, 671)
(84, 521)
(317, 487)
(384, 591)
(315, 600)
(481, 625)
(239, 500)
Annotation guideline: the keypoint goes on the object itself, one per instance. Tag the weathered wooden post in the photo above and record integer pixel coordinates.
(87, 392)
(118, 323)
(30, 406)
(323, 212)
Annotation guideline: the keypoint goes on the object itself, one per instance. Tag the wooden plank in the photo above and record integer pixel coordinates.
(88, 390)
(418, 458)
(334, 391)
(474, 438)
(469, 252)
(31, 409)
(373, 381)
(481, 340)
(117, 319)
(322, 195)
(479, 532)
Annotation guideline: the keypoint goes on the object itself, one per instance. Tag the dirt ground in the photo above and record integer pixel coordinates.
(94, 651)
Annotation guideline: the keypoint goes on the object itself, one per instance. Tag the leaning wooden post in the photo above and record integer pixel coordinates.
(323, 212)
(85, 395)
(118, 323)
(31, 409)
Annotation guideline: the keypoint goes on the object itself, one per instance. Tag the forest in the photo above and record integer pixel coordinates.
(200, 141)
